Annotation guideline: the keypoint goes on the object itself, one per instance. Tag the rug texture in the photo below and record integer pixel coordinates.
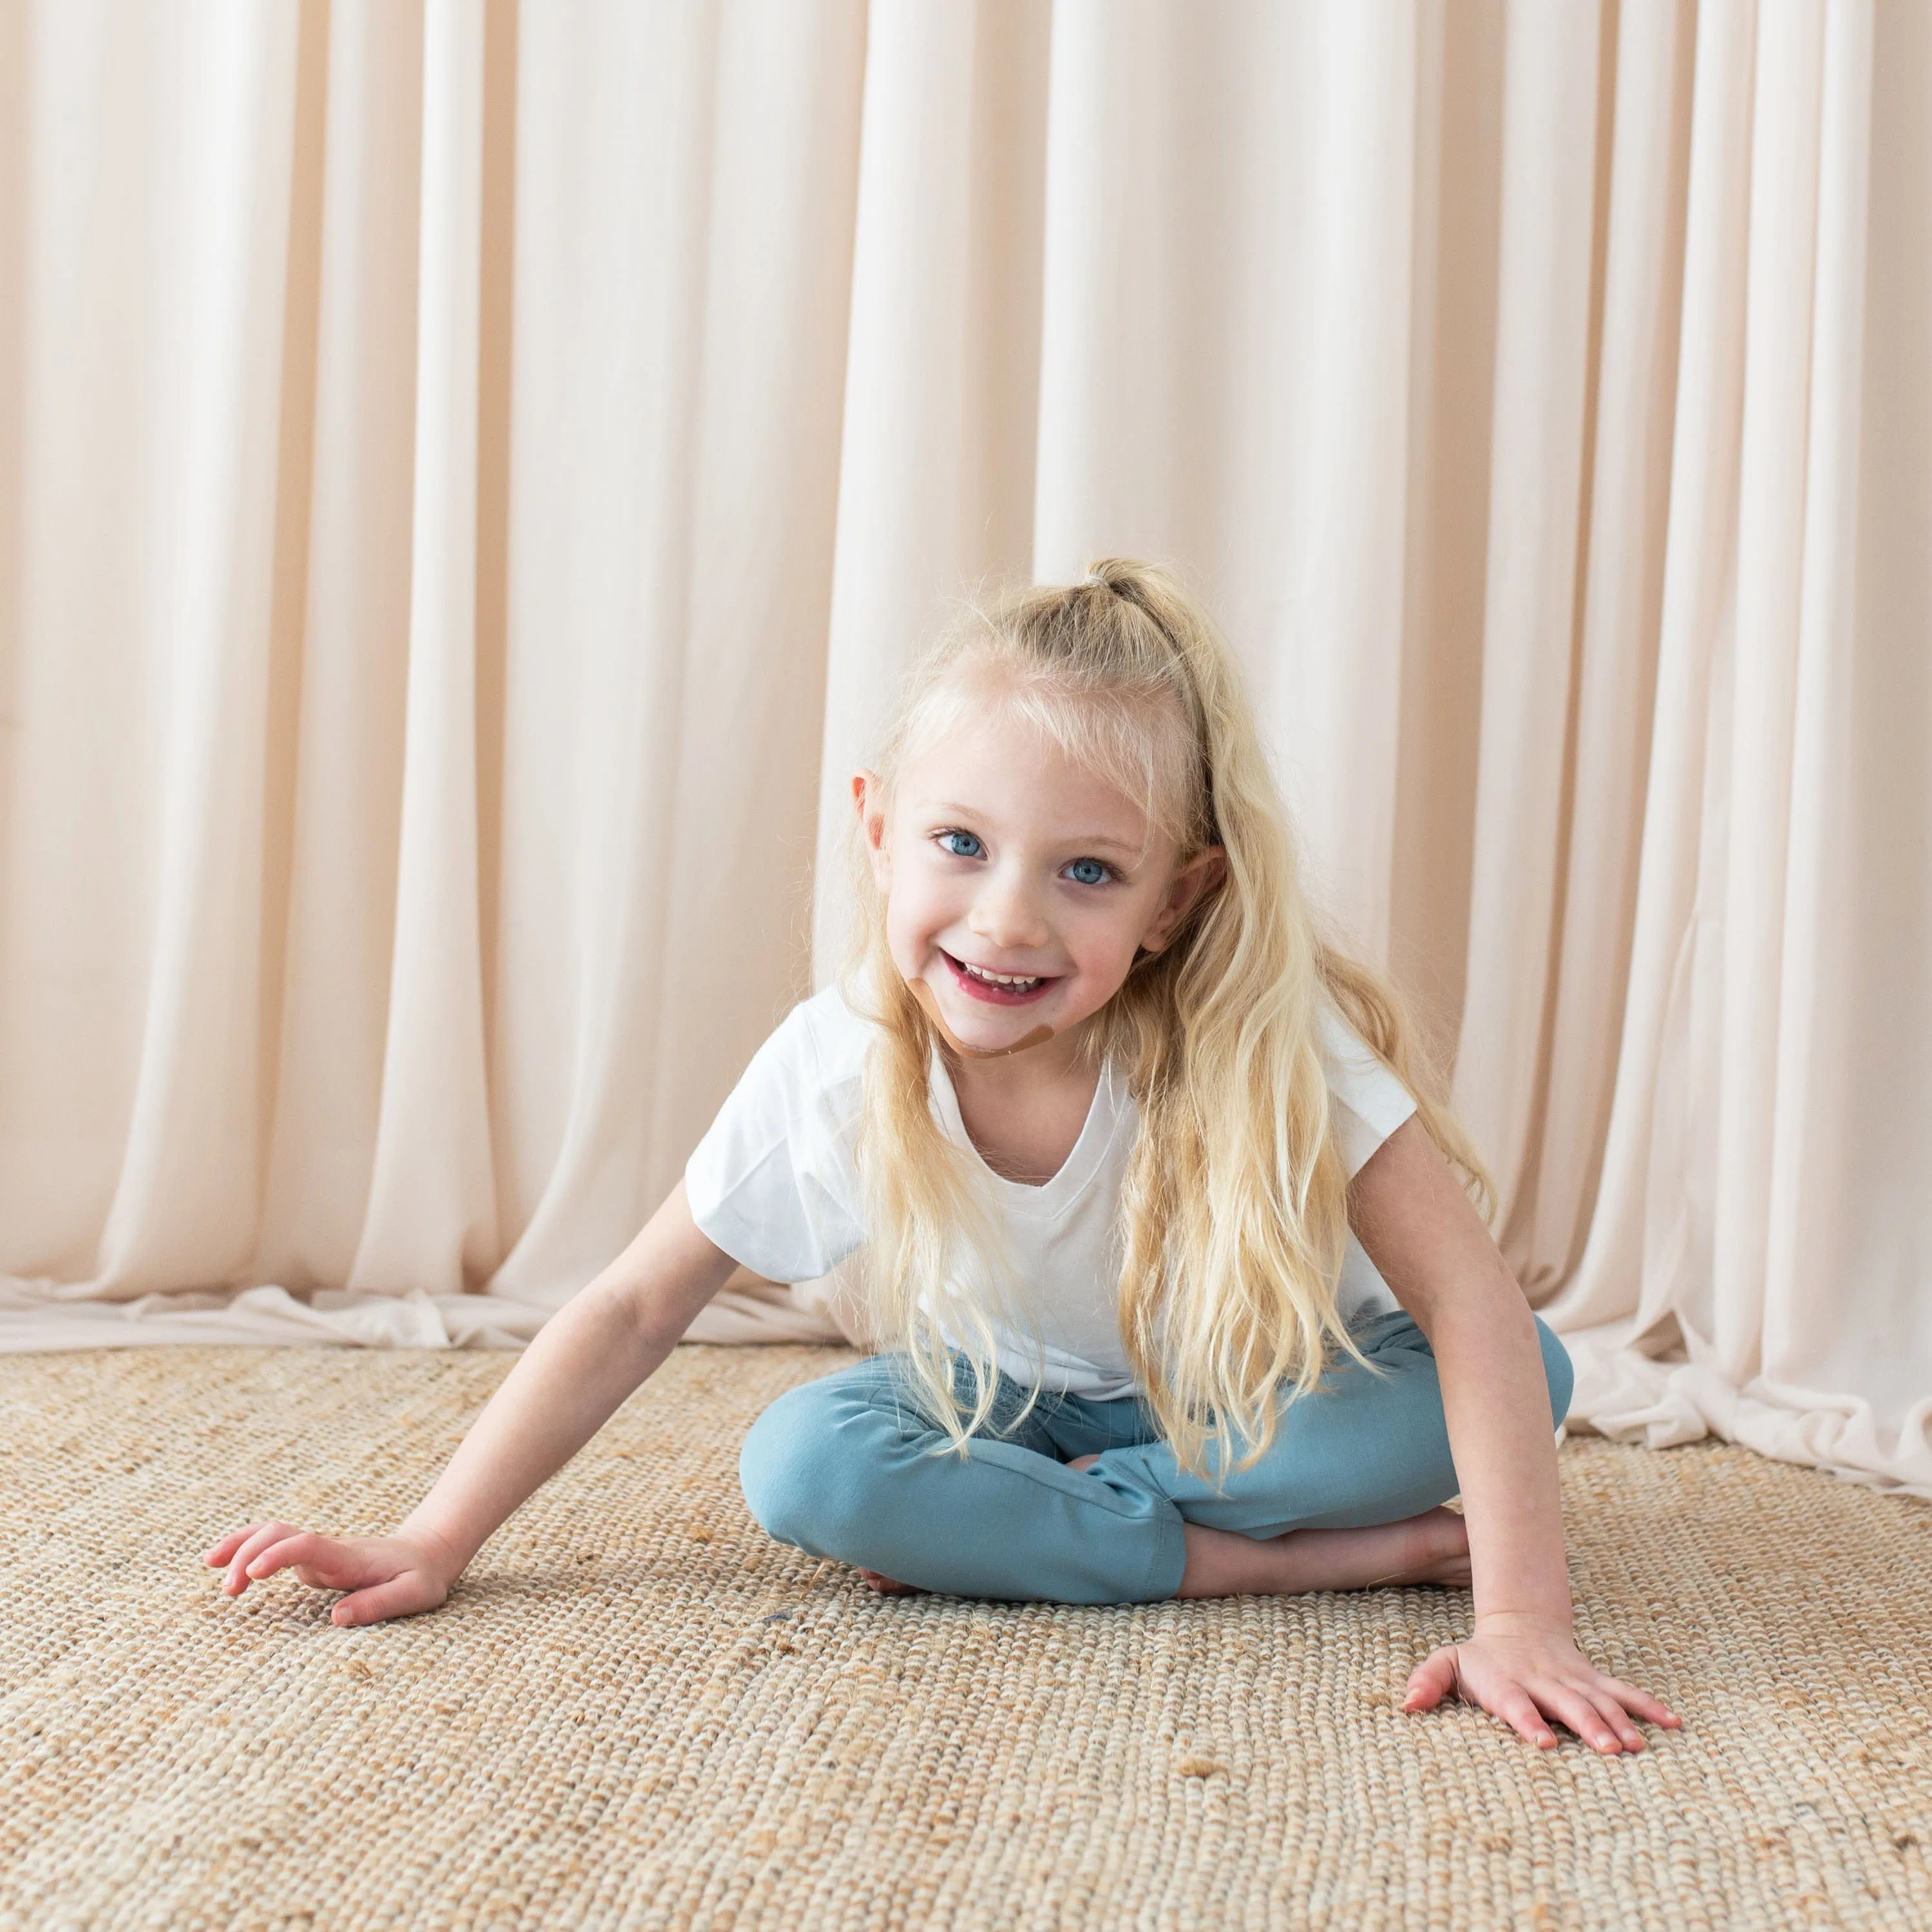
(637, 1711)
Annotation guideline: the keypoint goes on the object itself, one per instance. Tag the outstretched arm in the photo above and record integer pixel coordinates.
(1429, 1244)
(584, 1361)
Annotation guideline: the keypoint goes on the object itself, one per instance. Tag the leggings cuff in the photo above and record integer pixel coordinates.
(1168, 1563)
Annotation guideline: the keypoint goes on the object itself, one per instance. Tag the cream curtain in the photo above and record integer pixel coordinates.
(473, 472)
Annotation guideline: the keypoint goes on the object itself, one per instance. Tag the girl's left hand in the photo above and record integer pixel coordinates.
(1524, 1670)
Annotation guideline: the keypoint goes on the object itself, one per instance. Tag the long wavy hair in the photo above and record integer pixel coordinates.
(1233, 1217)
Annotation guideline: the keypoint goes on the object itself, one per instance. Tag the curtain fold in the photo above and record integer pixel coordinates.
(430, 1219)
(342, 756)
(471, 477)
(1544, 418)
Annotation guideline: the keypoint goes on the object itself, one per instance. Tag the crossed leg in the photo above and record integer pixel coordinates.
(1348, 1495)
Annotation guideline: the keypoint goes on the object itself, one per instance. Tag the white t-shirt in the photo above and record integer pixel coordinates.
(774, 1183)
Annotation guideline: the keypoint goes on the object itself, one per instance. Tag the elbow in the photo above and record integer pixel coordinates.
(647, 1324)
(1485, 1293)
(662, 1304)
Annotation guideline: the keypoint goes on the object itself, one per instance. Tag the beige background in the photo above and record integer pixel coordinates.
(470, 475)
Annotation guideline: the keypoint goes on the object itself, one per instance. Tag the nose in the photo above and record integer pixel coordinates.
(1005, 913)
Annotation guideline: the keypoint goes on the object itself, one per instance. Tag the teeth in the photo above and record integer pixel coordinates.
(1000, 979)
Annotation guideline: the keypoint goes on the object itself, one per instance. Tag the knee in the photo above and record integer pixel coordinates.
(1559, 1370)
(802, 1469)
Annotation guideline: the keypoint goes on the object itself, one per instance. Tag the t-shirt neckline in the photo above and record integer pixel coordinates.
(1050, 1197)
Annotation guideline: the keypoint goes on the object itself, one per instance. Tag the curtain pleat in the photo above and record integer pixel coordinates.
(430, 1221)
(346, 762)
(1538, 441)
(472, 477)
(1623, 516)
(199, 540)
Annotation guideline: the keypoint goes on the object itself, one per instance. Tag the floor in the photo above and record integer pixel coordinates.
(639, 1711)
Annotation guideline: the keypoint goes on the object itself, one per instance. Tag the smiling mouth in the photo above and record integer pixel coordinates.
(996, 989)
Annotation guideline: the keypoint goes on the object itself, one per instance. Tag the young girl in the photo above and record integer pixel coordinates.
(1097, 1110)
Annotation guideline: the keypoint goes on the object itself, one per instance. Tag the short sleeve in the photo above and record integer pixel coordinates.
(772, 1182)
(1368, 1101)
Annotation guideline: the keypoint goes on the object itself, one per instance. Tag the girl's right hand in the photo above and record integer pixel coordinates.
(388, 1575)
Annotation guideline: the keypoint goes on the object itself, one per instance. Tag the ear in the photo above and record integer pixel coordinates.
(1185, 891)
(866, 792)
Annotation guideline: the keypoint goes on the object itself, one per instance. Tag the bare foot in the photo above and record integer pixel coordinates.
(884, 1586)
(1431, 1548)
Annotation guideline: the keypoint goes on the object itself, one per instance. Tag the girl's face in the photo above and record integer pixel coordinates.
(1019, 886)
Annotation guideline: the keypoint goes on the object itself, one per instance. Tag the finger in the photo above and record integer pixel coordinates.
(1640, 1703)
(257, 1540)
(1432, 1680)
(1517, 1709)
(321, 1560)
(400, 1597)
(1614, 1715)
(229, 1544)
(1565, 1702)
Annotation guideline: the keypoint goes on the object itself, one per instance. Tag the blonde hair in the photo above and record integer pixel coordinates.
(1233, 1216)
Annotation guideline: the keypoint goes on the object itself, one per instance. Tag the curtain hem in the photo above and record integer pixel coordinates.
(1632, 1397)
(34, 1318)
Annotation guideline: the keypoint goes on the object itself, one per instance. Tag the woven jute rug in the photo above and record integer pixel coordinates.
(637, 1711)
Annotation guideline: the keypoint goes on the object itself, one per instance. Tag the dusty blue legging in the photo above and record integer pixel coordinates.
(844, 1468)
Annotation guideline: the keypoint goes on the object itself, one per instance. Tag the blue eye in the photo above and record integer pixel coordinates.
(972, 837)
(1098, 867)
